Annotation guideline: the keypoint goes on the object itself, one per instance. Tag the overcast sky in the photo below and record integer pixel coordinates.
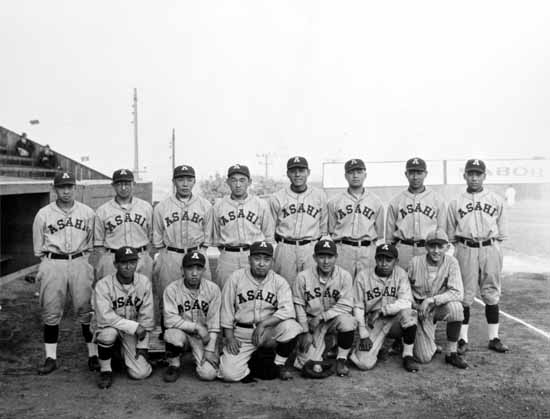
(381, 80)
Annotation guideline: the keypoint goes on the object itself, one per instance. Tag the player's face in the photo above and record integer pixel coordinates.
(238, 184)
(192, 276)
(124, 189)
(298, 176)
(325, 263)
(260, 265)
(126, 269)
(184, 186)
(65, 193)
(474, 179)
(416, 178)
(436, 251)
(385, 264)
(356, 177)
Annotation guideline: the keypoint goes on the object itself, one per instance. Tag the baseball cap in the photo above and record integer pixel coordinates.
(125, 254)
(240, 169)
(354, 164)
(325, 247)
(183, 170)
(416, 163)
(193, 258)
(297, 162)
(475, 165)
(64, 178)
(438, 236)
(123, 175)
(387, 250)
(261, 248)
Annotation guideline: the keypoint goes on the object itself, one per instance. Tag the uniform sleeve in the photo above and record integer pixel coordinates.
(331, 217)
(208, 226)
(359, 307)
(285, 306)
(90, 236)
(38, 235)
(379, 221)
(345, 302)
(216, 235)
(455, 289)
(172, 317)
(391, 218)
(268, 224)
(502, 223)
(227, 310)
(99, 230)
(106, 315)
(441, 213)
(213, 316)
(323, 222)
(274, 208)
(298, 288)
(146, 317)
(404, 297)
(158, 227)
(452, 221)
(150, 224)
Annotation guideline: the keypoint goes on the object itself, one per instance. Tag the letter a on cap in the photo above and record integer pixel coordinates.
(476, 162)
(263, 244)
(327, 244)
(385, 247)
(415, 161)
(128, 251)
(65, 176)
(296, 159)
(123, 172)
(354, 161)
(184, 168)
(236, 166)
(195, 256)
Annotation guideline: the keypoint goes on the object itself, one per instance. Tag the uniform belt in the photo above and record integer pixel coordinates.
(139, 249)
(411, 242)
(177, 250)
(355, 243)
(297, 242)
(51, 255)
(475, 243)
(236, 248)
(245, 325)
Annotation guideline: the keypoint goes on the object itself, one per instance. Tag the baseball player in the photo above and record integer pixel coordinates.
(414, 213)
(62, 239)
(123, 221)
(356, 220)
(383, 307)
(239, 220)
(123, 309)
(192, 319)
(256, 311)
(436, 287)
(477, 226)
(323, 300)
(300, 214)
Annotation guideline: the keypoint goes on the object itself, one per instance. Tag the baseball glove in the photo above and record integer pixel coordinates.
(318, 369)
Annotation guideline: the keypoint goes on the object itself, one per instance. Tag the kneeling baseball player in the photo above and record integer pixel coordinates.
(437, 290)
(323, 299)
(192, 319)
(123, 309)
(383, 308)
(257, 311)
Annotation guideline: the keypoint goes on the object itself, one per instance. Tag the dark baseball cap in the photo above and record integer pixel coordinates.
(183, 170)
(261, 248)
(438, 236)
(387, 250)
(123, 175)
(64, 178)
(193, 258)
(125, 254)
(238, 169)
(297, 161)
(475, 165)
(325, 247)
(416, 163)
(354, 164)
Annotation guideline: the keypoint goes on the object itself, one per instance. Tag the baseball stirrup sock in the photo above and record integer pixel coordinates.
(280, 360)
(284, 348)
(92, 349)
(466, 315)
(491, 313)
(87, 333)
(51, 333)
(453, 331)
(409, 334)
(172, 350)
(464, 332)
(345, 339)
(408, 349)
(492, 330)
(104, 352)
(51, 350)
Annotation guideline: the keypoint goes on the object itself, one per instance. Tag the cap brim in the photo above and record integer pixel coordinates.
(261, 253)
(389, 254)
(189, 264)
(475, 169)
(126, 260)
(298, 165)
(129, 179)
(66, 183)
(326, 252)
(437, 241)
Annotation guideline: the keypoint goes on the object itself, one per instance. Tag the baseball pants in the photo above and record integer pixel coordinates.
(229, 262)
(480, 268)
(205, 370)
(138, 368)
(424, 342)
(291, 259)
(355, 258)
(341, 323)
(235, 367)
(406, 253)
(105, 265)
(383, 326)
(57, 276)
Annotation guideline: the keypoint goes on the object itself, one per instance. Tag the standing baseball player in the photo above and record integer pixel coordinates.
(123, 221)
(123, 309)
(300, 214)
(257, 310)
(192, 319)
(323, 300)
(239, 220)
(62, 238)
(414, 213)
(383, 308)
(356, 220)
(477, 226)
(436, 287)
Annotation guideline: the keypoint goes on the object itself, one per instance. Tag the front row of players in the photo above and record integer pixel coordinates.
(258, 309)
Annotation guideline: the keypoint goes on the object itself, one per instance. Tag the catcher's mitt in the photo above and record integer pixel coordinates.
(318, 369)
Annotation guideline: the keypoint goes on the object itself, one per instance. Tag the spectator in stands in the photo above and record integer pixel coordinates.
(24, 147)
(47, 158)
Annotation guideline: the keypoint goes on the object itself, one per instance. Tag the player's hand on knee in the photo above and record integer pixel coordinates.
(141, 332)
(365, 344)
(426, 307)
(233, 346)
(257, 335)
(314, 322)
(203, 333)
(305, 340)
(210, 356)
(142, 352)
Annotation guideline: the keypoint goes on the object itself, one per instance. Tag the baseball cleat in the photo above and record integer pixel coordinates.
(49, 365)
(342, 368)
(284, 372)
(93, 363)
(410, 364)
(462, 347)
(105, 379)
(497, 346)
(456, 360)
(171, 374)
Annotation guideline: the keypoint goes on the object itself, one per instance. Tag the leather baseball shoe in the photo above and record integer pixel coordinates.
(342, 368)
(456, 360)
(497, 346)
(93, 363)
(284, 372)
(410, 364)
(105, 379)
(462, 347)
(171, 374)
(49, 365)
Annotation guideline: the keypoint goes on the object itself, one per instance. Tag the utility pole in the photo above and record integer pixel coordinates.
(136, 146)
(173, 149)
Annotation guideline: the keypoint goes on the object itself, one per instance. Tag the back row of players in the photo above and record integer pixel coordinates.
(295, 218)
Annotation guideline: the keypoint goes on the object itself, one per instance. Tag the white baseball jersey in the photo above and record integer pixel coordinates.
(412, 216)
(242, 222)
(183, 306)
(300, 215)
(66, 232)
(357, 218)
(182, 224)
(124, 225)
(246, 300)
